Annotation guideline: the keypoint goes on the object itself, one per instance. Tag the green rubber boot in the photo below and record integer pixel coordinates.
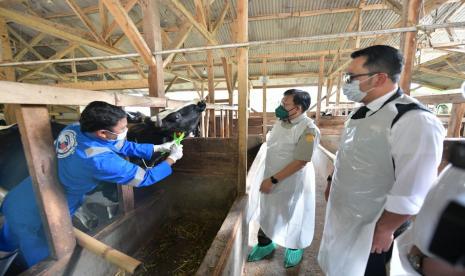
(292, 257)
(259, 252)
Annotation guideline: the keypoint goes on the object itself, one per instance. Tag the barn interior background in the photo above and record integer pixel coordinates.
(238, 55)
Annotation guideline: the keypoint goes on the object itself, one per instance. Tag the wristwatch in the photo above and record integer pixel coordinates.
(274, 180)
(416, 261)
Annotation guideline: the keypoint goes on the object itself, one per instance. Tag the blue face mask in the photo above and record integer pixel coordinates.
(120, 136)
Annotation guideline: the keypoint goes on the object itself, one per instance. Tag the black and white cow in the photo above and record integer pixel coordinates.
(155, 130)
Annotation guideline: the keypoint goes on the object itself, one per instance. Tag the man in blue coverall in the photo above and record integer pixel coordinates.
(88, 152)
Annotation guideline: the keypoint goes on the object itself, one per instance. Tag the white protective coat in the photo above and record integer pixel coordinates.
(287, 214)
(449, 185)
(363, 176)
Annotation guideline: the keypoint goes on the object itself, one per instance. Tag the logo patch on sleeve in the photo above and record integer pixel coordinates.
(66, 143)
(309, 138)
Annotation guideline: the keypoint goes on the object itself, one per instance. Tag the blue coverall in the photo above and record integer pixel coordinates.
(83, 162)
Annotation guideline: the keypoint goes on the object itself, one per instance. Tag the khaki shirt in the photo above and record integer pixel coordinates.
(304, 148)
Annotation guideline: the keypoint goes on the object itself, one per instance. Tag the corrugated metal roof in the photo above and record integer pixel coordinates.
(296, 26)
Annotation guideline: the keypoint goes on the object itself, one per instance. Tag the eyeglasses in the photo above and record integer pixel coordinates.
(348, 78)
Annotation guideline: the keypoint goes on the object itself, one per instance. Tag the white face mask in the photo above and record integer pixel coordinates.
(352, 91)
(120, 136)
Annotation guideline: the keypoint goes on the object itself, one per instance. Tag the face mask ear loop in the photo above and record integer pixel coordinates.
(291, 110)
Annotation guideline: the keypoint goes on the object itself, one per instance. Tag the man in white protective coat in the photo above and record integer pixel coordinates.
(287, 198)
(436, 235)
(386, 162)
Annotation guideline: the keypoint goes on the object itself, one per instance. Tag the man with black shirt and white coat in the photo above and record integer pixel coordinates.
(386, 162)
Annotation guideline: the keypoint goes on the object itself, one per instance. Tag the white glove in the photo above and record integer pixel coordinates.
(165, 147)
(176, 152)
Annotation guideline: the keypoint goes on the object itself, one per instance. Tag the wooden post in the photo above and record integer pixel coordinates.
(455, 121)
(403, 22)
(231, 100)
(329, 88)
(410, 46)
(8, 72)
(264, 73)
(243, 87)
(152, 36)
(227, 68)
(126, 198)
(320, 88)
(211, 93)
(202, 119)
(36, 136)
(226, 124)
(221, 123)
(338, 92)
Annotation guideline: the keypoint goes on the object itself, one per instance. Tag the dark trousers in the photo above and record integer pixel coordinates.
(376, 265)
(263, 240)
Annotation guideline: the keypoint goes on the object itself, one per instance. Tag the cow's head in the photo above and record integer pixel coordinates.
(182, 119)
(160, 128)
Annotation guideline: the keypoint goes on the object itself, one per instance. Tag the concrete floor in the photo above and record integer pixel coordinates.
(309, 264)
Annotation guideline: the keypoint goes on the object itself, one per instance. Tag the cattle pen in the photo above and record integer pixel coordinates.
(56, 57)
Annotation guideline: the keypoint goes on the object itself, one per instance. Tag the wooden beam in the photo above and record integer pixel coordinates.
(264, 121)
(329, 89)
(201, 28)
(359, 22)
(211, 93)
(127, 7)
(320, 89)
(36, 39)
(103, 18)
(243, 91)
(7, 73)
(85, 20)
(454, 68)
(126, 69)
(316, 12)
(455, 121)
(227, 75)
(171, 84)
(454, 98)
(55, 29)
(353, 22)
(152, 35)
(338, 91)
(57, 55)
(96, 62)
(442, 73)
(36, 136)
(95, 9)
(126, 198)
(200, 13)
(303, 54)
(202, 63)
(183, 34)
(34, 52)
(227, 124)
(396, 6)
(24, 93)
(409, 47)
(219, 22)
(129, 28)
(107, 85)
(73, 66)
(324, 97)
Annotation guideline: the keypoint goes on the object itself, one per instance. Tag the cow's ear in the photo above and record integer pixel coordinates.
(201, 106)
